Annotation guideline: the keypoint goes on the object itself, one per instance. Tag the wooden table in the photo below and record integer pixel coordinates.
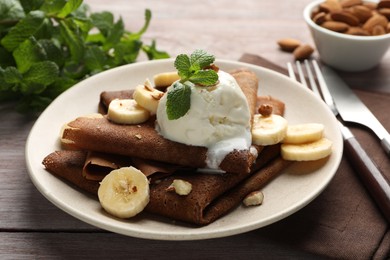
(31, 227)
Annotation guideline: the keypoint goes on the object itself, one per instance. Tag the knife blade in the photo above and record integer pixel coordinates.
(352, 109)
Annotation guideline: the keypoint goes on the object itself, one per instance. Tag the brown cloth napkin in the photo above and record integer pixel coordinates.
(343, 222)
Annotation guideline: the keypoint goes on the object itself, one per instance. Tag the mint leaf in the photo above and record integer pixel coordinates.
(43, 73)
(29, 5)
(153, 53)
(95, 59)
(178, 101)
(12, 76)
(53, 51)
(70, 6)
(204, 77)
(114, 34)
(201, 59)
(27, 53)
(103, 21)
(183, 65)
(11, 10)
(195, 69)
(73, 40)
(126, 51)
(53, 7)
(189, 68)
(23, 30)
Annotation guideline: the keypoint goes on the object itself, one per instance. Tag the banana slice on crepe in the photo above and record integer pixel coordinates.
(165, 79)
(127, 111)
(307, 151)
(147, 97)
(268, 130)
(124, 192)
(303, 133)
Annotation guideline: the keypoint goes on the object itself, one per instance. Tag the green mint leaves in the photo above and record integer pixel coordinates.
(178, 101)
(48, 46)
(197, 69)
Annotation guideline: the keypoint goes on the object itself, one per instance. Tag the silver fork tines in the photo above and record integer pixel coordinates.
(371, 176)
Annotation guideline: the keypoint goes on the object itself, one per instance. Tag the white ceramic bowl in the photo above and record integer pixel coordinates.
(346, 52)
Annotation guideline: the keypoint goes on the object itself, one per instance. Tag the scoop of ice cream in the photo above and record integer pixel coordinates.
(219, 118)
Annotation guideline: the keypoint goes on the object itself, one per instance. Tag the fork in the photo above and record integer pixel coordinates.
(371, 176)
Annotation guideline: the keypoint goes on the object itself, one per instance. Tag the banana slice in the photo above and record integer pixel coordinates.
(268, 130)
(147, 97)
(127, 111)
(303, 133)
(124, 192)
(165, 79)
(308, 151)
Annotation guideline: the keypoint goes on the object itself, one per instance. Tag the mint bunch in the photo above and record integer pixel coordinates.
(198, 69)
(48, 46)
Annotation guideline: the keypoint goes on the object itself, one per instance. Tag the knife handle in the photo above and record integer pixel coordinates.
(372, 178)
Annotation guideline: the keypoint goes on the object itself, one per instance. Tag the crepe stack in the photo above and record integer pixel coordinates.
(91, 142)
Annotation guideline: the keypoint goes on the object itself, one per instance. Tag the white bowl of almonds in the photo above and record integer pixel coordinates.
(350, 35)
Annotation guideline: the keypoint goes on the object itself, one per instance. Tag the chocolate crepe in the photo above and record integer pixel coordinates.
(143, 141)
(212, 195)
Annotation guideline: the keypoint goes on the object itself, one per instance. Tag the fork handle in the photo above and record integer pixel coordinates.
(373, 179)
(386, 144)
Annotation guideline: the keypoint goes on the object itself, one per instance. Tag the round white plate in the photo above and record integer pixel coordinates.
(286, 194)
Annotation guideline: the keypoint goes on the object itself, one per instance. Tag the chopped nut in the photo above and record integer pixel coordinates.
(265, 110)
(157, 95)
(254, 198)
(181, 187)
(138, 136)
(148, 85)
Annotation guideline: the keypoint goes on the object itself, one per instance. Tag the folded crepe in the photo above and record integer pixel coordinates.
(143, 141)
(212, 196)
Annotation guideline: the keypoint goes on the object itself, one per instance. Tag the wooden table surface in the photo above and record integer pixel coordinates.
(32, 227)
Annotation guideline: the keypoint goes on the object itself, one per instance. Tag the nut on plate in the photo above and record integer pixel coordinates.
(254, 198)
(181, 187)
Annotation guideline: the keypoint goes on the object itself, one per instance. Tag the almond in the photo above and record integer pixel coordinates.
(363, 13)
(384, 4)
(289, 44)
(345, 17)
(330, 6)
(378, 30)
(370, 5)
(375, 20)
(303, 52)
(319, 18)
(335, 26)
(357, 31)
(349, 3)
(385, 12)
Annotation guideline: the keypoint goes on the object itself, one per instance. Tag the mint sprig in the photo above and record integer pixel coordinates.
(48, 46)
(197, 69)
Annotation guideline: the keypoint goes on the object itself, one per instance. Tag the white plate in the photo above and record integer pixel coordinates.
(283, 196)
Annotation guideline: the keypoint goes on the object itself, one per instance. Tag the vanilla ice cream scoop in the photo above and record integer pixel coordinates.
(219, 119)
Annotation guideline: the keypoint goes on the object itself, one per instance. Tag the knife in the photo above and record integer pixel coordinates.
(352, 109)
